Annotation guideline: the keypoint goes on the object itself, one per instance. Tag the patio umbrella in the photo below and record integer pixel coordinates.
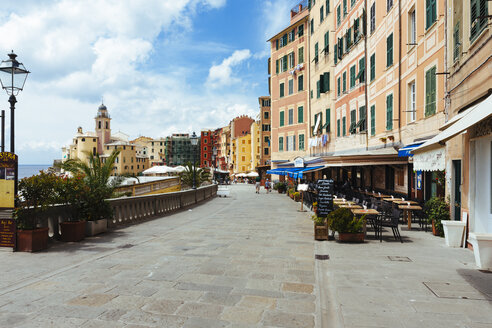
(252, 174)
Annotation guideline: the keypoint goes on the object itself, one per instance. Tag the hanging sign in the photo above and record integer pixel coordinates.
(325, 197)
(419, 180)
(299, 162)
(8, 166)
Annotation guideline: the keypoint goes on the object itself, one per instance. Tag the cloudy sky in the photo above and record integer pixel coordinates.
(161, 66)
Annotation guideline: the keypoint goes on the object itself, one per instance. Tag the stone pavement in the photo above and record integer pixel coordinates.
(243, 261)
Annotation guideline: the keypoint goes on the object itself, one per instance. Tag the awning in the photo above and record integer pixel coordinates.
(300, 173)
(431, 160)
(405, 151)
(473, 116)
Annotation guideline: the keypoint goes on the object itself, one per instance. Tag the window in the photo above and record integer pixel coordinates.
(339, 17)
(373, 120)
(362, 70)
(362, 119)
(282, 118)
(321, 14)
(301, 55)
(338, 86)
(353, 121)
(327, 43)
(327, 6)
(478, 8)
(316, 52)
(389, 50)
(430, 12)
(312, 26)
(324, 82)
(389, 4)
(352, 76)
(338, 127)
(99, 124)
(290, 143)
(265, 151)
(328, 120)
(373, 66)
(389, 112)
(300, 114)
(281, 90)
(412, 102)
(266, 139)
(373, 17)
(300, 83)
(344, 82)
(243, 158)
(291, 116)
(266, 115)
(291, 60)
(456, 42)
(412, 28)
(430, 92)
(344, 126)
(318, 91)
(300, 30)
(345, 8)
(292, 35)
(335, 56)
(352, 3)
(284, 63)
(311, 94)
(291, 86)
(301, 142)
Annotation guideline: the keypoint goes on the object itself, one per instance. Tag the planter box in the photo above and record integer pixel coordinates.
(453, 232)
(351, 237)
(93, 228)
(482, 249)
(32, 240)
(72, 231)
(320, 232)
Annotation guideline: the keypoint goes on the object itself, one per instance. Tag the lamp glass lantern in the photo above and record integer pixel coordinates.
(14, 75)
(194, 139)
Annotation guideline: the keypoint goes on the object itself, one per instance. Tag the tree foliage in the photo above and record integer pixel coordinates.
(187, 175)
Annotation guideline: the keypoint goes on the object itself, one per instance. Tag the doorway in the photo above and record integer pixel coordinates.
(457, 189)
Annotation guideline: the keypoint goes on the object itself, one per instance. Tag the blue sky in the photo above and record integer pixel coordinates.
(161, 66)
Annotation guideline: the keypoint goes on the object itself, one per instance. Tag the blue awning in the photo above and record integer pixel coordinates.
(299, 174)
(276, 171)
(406, 151)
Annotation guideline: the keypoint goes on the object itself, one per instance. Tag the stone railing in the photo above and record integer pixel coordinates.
(133, 210)
(149, 187)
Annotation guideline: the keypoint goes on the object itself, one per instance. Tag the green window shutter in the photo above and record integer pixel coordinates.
(321, 14)
(349, 38)
(389, 112)
(276, 44)
(317, 89)
(373, 66)
(338, 86)
(456, 42)
(362, 70)
(312, 26)
(327, 6)
(294, 142)
(300, 114)
(284, 64)
(300, 83)
(338, 127)
(282, 118)
(427, 92)
(281, 143)
(301, 142)
(344, 82)
(328, 119)
(327, 43)
(389, 50)
(316, 52)
(362, 118)
(430, 92)
(322, 83)
(339, 18)
(344, 8)
(335, 54)
(373, 120)
(344, 126)
(353, 121)
(326, 82)
(301, 55)
(285, 39)
(281, 90)
(276, 65)
(352, 76)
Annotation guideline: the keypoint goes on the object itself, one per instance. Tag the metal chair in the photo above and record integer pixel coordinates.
(390, 221)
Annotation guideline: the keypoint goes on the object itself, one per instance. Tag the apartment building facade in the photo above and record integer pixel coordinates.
(289, 88)
(265, 130)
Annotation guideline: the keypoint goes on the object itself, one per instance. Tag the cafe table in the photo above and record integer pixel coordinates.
(350, 206)
(382, 196)
(343, 202)
(361, 211)
(407, 210)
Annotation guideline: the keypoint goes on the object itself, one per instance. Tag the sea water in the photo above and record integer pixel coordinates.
(30, 170)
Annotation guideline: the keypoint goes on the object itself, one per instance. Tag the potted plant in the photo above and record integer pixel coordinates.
(35, 197)
(297, 196)
(320, 227)
(315, 207)
(437, 210)
(280, 187)
(88, 196)
(348, 226)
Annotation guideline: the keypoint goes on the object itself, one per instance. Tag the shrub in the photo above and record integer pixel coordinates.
(343, 221)
(437, 209)
(318, 220)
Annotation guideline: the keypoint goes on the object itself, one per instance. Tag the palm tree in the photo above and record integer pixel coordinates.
(201, 175)
(97, 185)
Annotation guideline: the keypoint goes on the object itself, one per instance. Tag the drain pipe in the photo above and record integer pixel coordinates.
(399, 71)
(366, 69)
(447, 98)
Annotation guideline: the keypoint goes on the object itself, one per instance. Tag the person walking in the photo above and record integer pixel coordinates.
(267, 186)
(258, 183)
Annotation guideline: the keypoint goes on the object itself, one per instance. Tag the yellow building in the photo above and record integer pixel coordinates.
(255, 146)
(242, 163)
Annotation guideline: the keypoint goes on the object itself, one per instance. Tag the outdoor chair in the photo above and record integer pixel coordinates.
(390, 221)
(421, 219)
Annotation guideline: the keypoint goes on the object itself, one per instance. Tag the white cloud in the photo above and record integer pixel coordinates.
(221, 75)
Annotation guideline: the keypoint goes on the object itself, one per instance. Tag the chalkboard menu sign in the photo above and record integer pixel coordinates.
(325, 197)
(7, 233)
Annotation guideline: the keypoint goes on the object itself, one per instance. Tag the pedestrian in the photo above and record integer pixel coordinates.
(258, 183)
(267, 186)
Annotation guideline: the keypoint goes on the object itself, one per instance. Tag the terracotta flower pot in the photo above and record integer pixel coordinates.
(72, 231)
(32, 240)
(434, 231)
(351, 237)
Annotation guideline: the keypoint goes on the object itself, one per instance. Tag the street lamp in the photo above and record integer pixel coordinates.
(194, 142)
(13, 78)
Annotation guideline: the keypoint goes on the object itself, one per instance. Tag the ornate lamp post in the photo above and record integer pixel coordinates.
(13, 78)
(194, 142)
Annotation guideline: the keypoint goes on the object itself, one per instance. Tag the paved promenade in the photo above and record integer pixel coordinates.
(243, 261)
